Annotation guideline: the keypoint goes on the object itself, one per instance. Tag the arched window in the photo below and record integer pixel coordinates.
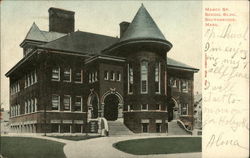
(157, 77)
(144, 76)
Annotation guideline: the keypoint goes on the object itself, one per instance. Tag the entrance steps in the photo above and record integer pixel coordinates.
(175, 129)
(117, 128)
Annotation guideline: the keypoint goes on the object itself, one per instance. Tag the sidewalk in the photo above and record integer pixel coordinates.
(102, 148)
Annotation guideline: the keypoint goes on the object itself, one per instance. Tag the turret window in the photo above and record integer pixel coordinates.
(157, 77)
(144, 76)
(130, 79)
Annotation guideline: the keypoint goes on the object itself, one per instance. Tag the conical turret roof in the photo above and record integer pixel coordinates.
(142, 27)
(142, 32)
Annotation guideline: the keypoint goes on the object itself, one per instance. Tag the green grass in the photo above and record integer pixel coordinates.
(160, 145)
(22, 147)
(75, 138)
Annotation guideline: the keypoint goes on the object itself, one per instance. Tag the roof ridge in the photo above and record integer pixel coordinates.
(96, 34)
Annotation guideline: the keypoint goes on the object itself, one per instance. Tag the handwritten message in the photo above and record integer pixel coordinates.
(225, 80)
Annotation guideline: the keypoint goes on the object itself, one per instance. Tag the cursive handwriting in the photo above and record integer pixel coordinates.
(219, 141)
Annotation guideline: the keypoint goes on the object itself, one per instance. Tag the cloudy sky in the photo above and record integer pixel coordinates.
(180, 22)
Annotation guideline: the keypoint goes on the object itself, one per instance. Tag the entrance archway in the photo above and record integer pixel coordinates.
(111, 107)
(173, 110)
(112, 100)
(93, 103)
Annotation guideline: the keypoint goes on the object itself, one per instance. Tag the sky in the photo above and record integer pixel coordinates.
(179, 21)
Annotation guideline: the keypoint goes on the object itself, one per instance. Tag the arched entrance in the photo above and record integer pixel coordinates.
(111, 107)
(173, 110)
(93, 103)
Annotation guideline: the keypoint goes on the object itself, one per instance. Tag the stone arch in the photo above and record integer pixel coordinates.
(173, 109)
(175, 102)
(120, 101)
(112, 91)
(93, 104)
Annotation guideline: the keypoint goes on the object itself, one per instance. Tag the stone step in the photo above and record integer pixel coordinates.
(117, 128)
(175, 129)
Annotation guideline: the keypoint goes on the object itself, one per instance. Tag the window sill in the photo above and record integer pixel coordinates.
(55, 80)
(78, 82)
(67, 81)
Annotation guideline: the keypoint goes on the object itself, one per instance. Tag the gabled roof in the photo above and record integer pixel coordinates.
(81, 42)
(176, 64)
(35, 34)
(142, 27)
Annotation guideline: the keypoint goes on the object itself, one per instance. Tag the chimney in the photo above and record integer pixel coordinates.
(61, 20)
(123, 27)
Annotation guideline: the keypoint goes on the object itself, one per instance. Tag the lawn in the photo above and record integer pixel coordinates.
(22, 147)
(160, 145)
(75, 138)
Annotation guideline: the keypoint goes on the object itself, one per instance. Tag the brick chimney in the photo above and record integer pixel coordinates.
(123, 27)
(61, 20)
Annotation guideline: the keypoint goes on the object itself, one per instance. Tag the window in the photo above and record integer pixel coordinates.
(25, 81)
(129, 108)
(15, 87)
(96, 76)
(184, 86)
(157, 77)
(35, 103)
(158, 107)
(31, 105)
(158, 127)
(66, 102)
(78, 76)
(112, 76)
(67, 75)
(106, 75)
(144, 76)
(145, 127)
(56, 74)
(90, 77)
(93, 77)
(55, 102)
(55, 128)
(66, 128)
(25, 107)
(78, 104)
(35, 76)
(172, 82)
(118, 76)
(28, 106)
(184, 109)
(130, 79)
(144, 107)
(18, 110)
